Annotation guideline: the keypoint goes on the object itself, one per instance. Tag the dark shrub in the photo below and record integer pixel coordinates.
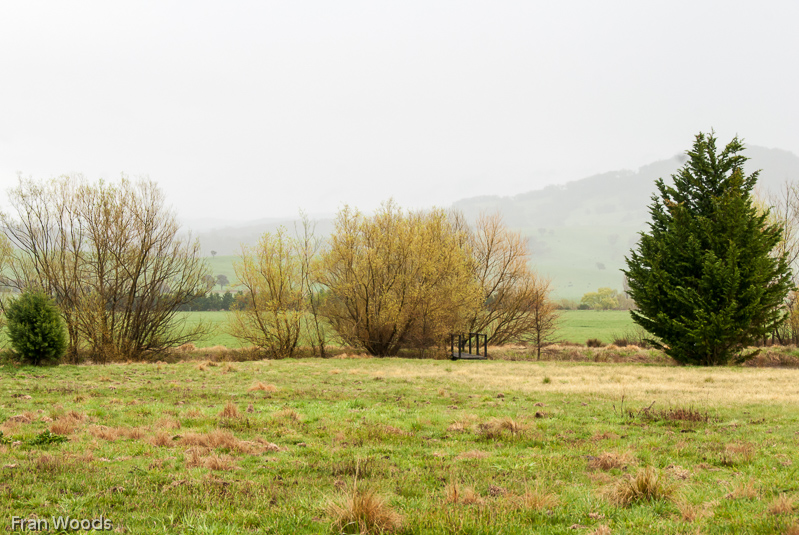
(35, 328)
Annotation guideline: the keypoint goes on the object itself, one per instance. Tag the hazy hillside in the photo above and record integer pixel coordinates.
(579, 232)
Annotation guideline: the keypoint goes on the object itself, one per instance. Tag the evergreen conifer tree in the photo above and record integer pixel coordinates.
(704, 278)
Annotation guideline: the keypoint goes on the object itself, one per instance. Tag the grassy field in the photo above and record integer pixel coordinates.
(576, 326)
(417, 447)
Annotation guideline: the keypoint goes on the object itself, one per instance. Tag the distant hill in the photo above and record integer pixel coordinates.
(579, 232)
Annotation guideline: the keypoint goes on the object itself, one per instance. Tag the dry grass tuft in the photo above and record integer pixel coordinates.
(167, 423)
(782, 505)
(161, 440)
(230, 411)
(260, 386)
(601, 530)
(793, 529)
(537, 500)
(202, 367)
(187, 347)
(647, 485)
(462, 495)
(64, 426)
(473, 454)
(609, 460)
(218, 439)
(363, 512)
(287, 415)
(691, 512)
(48, 463)
(495, 427)
(228, 368)
(195, 459)
(746, 490)
(106, 433)
(463, 424)
(737, 454)
(193, 413)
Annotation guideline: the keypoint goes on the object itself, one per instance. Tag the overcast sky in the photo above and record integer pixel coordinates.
(244, 110)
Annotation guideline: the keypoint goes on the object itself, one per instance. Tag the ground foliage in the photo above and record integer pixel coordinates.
(410, 446)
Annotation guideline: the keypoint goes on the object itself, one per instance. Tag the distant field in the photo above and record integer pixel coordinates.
(576, 326)
(579, 325)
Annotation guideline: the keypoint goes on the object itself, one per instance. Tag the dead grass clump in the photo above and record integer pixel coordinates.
(110, 434)
(737, 454)
(537, 500)
(646, 486)
(746, 490)
(167, 423)
(463, 424)
(594, 342)
(187, 347)
(463, 495)
(48, 463)
(133, 433)
(228, 368)
(201, 366)
(363, 512)
(24, 418)
(609, 460)
(601, 530)
(64, 426)
(161, 440)
(194, 459)
(335, 371)
(193, 413)
(287, 415)
(217, 439)
(782, 505)
(495, 427)
(691, 512)
(230, 411)
(260, 386)
(473, 454)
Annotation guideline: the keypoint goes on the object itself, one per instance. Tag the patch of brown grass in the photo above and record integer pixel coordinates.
(610, 460)
(463, 495)
(194, 459)
(166, 423)
(48, 463)
(260, 386)
(287, 415)
(63, 426)
(230, 411)
(161, 440)
(782, 505)
(228, 368)
(473, 454)
(537, 500)
(110, 434)
(363, 512)
(601, 530)
(647, 485)
(737, 454)
(495, 427)
(218, 439)
(193, 413)
(746, 490)
(691, 512)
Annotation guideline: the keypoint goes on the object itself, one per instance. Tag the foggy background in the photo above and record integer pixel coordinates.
(252, 110)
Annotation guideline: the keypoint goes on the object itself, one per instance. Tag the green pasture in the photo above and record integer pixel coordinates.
(401, 446)
(575, 326)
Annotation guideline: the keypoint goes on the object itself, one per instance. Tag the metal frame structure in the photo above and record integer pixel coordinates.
(463, 340)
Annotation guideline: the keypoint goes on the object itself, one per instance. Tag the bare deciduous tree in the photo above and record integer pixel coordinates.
(112, 257)
(511, 291)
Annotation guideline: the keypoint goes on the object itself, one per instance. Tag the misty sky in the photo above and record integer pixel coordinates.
(245, 110)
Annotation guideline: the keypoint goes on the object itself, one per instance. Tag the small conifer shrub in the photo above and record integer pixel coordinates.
(35, 328)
